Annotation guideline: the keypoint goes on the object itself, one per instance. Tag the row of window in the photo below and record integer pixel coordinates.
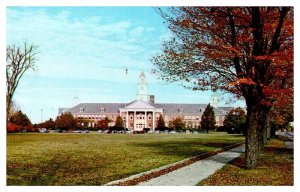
(142, 117)
(139, 117)
(95, 116)
(102, 110)
(197, 118)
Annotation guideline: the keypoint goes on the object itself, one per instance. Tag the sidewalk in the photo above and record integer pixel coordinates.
(194, 173)
(187, 175)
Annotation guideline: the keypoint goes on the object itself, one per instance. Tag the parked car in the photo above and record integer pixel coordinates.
(58, 131)
(111, 132)
(100, 131)
(121, 132)
(157, 131)
(85, 131)
(77, 131)
(129, 131)
(150, 131)
(195, 132)
(43, 130)
(138, 132)
(173, 132)
(165, 131)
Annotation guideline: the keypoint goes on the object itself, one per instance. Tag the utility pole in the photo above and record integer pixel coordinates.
(41, 115)
(126, 123)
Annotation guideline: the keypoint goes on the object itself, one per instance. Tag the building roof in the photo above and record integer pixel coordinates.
(168, 108)
(142, 74)
(139, 104)
(181, 107)
(96, 107)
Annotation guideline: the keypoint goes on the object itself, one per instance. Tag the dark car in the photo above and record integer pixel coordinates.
(139, 132)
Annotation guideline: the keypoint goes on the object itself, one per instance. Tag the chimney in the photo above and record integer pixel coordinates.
(152, 99)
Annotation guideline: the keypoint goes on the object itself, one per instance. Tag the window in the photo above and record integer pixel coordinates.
(102, 110)
(149, 117)
(81, 110)
(131, 117)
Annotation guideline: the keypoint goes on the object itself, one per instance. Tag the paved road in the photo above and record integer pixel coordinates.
(196, 172)
(285, 134)
(290, 135)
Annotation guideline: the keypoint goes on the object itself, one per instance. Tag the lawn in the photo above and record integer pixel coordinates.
(96, 159)
(275, 168)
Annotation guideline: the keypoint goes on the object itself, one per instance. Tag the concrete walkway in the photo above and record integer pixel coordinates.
(196, 172)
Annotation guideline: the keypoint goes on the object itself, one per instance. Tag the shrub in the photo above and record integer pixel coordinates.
(12, 128)
(146, 130)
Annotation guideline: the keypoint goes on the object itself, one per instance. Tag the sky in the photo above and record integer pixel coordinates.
(84, 51)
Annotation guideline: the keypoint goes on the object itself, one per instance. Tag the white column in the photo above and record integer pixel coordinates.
(153, 120)
(127, 119)
(145, 119)
(134, 120)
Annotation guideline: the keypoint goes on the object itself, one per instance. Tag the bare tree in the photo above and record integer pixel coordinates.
(18, 60)
(14, 107)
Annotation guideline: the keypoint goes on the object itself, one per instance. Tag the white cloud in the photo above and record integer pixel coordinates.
(72, 47)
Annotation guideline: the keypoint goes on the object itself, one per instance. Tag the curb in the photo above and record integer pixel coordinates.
(145, 176)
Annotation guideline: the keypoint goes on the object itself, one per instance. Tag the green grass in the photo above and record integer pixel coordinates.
(275, 168)
(95, 159)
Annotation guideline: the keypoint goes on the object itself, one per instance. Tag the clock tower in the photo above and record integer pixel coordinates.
(215, 100)
(142, 91)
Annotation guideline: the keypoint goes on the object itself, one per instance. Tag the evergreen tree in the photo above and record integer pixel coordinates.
(19, 118)
(119, 122)
(49, 124)
(208, 119)
(161, 123)
(235, 121)
(65, 121)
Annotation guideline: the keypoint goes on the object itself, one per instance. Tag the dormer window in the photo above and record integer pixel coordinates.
(102, 110)
(81, 110)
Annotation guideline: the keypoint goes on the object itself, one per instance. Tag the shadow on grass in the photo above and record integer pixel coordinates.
(182, 149)
(240, 162)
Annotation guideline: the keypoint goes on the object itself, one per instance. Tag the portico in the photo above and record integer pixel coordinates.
(139, 115)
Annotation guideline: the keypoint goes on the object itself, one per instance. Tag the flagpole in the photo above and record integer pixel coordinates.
(126, 125)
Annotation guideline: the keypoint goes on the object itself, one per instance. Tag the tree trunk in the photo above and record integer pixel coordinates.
(273, 131)
(8, 106)
(252, 137)
(264, 126)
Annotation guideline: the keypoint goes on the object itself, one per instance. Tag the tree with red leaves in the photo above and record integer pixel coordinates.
(246, 51)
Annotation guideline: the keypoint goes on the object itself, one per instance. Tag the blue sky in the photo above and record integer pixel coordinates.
(83, 52)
